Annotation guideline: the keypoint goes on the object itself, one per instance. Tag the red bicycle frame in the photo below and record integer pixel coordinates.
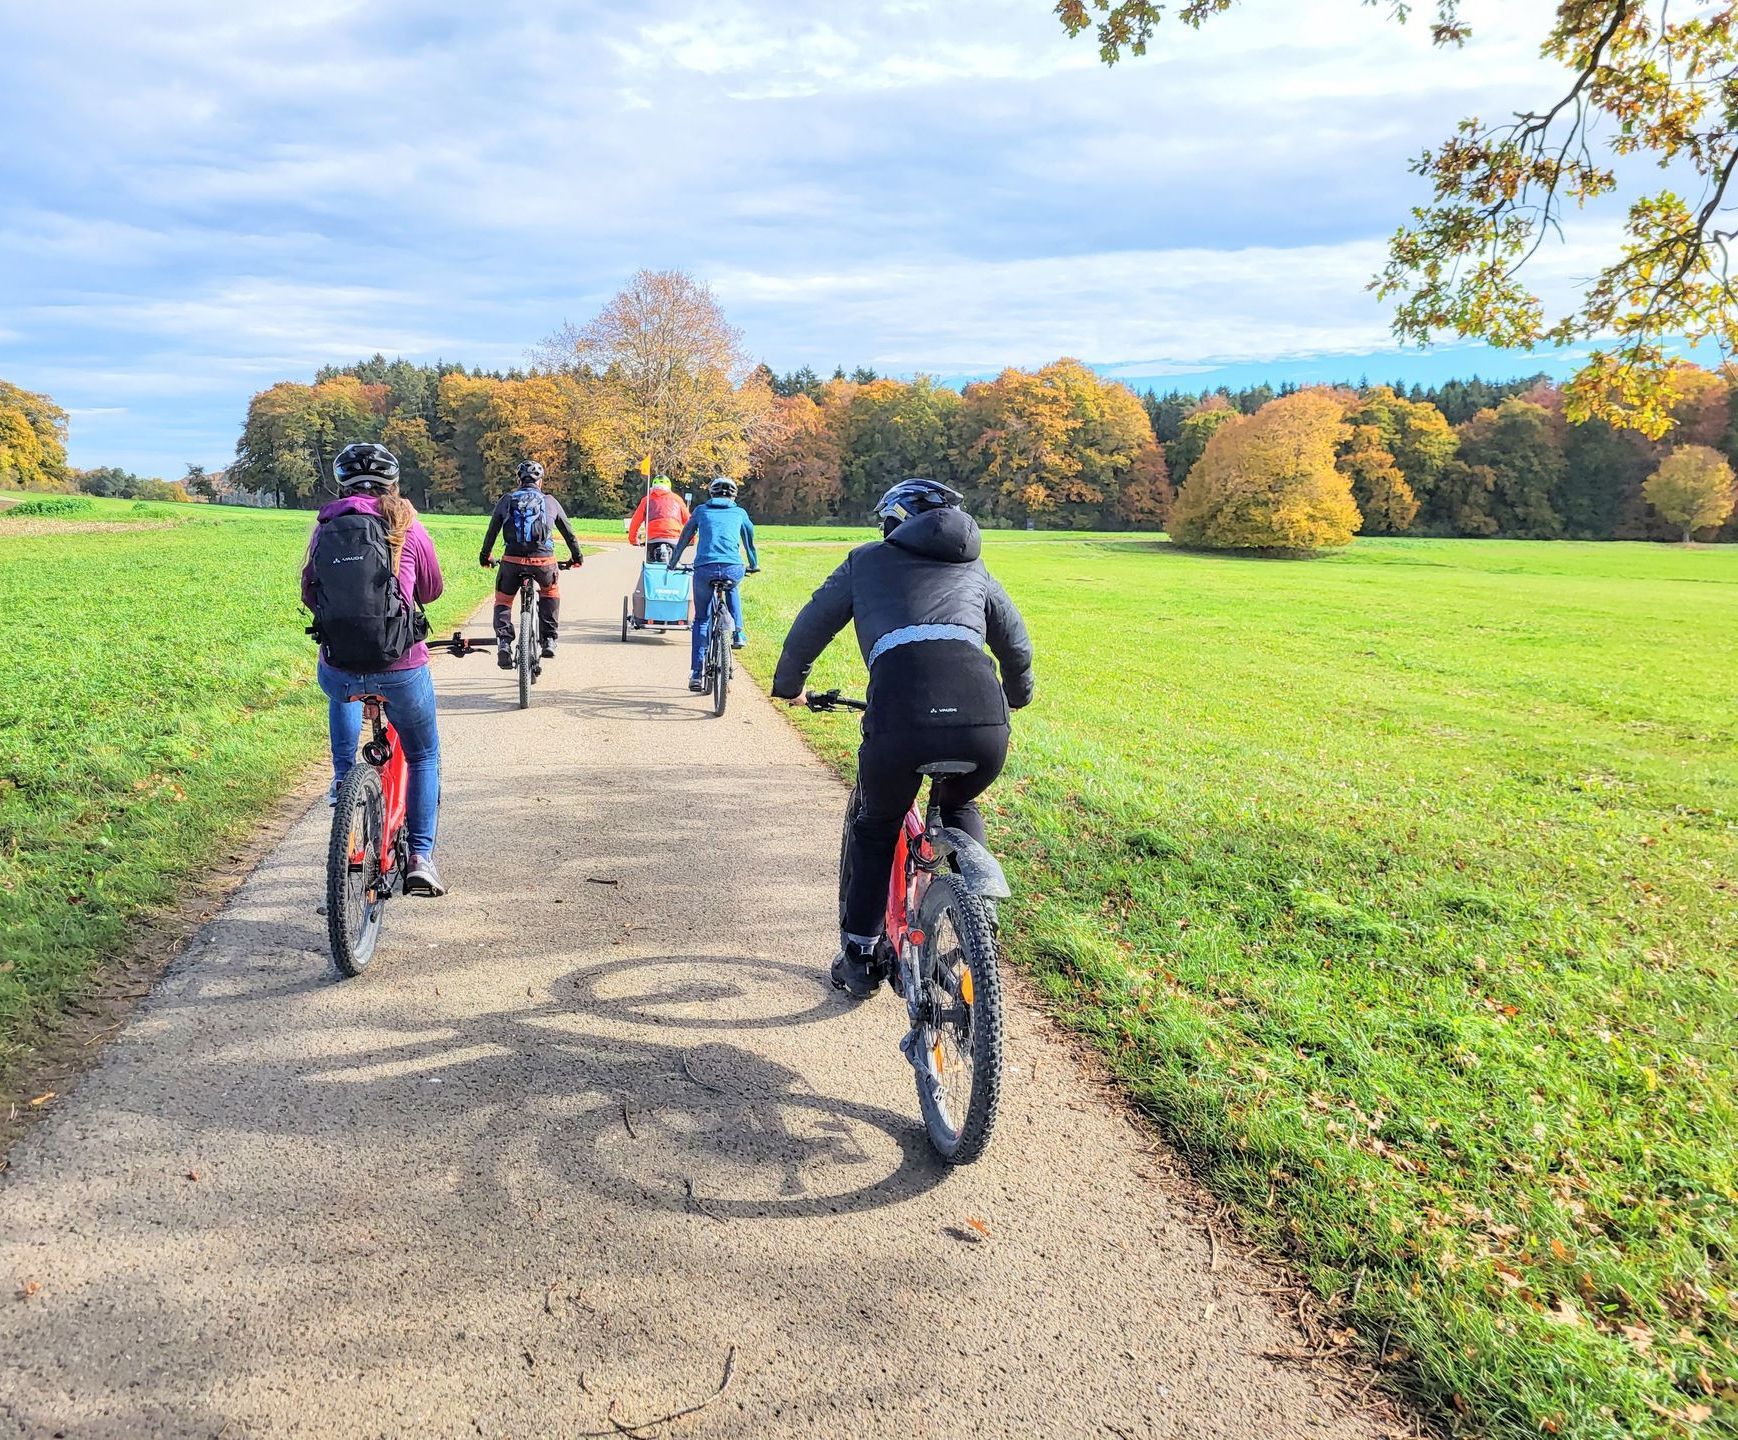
(907, 881)
(386, 755)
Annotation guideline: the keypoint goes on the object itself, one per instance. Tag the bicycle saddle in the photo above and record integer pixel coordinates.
(370, 698)
(948, 767)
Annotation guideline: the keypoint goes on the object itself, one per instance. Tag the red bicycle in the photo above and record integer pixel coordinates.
(940, 956)
(369, 853)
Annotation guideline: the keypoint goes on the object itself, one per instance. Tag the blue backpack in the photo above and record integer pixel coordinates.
(527, 524)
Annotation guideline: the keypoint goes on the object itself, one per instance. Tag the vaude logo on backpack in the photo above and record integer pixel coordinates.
(361, 619)
(527, 522)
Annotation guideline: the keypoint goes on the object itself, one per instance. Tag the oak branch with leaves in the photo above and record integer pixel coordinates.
(1656, 79)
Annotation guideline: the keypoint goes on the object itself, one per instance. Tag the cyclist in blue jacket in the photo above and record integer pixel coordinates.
(725, 534)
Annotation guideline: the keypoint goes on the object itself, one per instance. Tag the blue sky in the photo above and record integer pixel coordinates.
(196, 201)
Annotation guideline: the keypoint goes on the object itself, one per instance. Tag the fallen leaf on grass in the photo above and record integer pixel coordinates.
(1638, 1335)
(1559, 1249)
(43, 1098)
(1565, 1313)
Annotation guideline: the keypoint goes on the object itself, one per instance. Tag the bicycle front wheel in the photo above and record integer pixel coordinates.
(355, 891)
(959, 1044)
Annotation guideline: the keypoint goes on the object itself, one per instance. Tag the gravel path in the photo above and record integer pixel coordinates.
(573, 1145)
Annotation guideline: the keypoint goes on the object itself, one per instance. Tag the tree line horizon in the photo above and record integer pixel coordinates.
(1058, 446)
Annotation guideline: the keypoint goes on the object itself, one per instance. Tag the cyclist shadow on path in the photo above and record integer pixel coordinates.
(698, 1126)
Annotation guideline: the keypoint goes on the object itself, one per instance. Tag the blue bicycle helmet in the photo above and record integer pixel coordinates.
(913, 497)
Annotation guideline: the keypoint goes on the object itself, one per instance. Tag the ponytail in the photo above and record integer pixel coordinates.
(398, 514)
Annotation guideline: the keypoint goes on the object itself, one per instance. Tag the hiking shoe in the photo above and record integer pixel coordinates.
(504, 657)
(423, 878)
(856, 971)
(332, 795)
(738, 640)
(548, 649)
(696, 684)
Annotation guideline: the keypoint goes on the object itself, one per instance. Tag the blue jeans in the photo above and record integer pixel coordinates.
(410, 705)
(703, 577)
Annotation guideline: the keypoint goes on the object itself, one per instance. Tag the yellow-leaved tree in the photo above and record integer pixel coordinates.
(1692, 489)
(1269, 481)
(665, 375)
(32, 441)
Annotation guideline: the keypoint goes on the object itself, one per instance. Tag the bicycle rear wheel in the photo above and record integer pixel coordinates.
(959, 1045)
(718, 647)
(355, 895)
(527, 644)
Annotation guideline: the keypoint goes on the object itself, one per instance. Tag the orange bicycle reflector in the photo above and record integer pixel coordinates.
(917, 936)
(940, 1065)
(966, 986)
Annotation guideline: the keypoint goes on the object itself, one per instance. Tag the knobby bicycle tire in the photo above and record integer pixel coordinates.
(352, 922)
(948, 898)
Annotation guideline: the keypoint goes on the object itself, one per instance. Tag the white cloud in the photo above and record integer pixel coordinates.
(211, 196)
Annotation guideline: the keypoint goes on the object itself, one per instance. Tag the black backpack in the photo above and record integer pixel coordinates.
(527, 521)
(362, 621)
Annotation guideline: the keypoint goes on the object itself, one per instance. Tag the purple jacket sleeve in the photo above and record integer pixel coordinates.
(419, 549)
(308, 571)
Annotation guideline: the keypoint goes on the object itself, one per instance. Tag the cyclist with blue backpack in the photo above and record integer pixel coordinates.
(725, 534)
(527, 521)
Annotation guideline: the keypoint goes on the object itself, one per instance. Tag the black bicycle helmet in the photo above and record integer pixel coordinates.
(530, 473)
(913, 497)
(721, 487)
(365, 466)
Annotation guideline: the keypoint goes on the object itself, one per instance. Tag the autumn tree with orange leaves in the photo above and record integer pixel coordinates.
(1270, 482)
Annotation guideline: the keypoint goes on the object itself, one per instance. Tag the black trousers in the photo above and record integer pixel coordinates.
(887, 783)
(548, 581)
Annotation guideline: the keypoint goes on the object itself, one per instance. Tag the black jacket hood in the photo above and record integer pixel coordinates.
(947, 534)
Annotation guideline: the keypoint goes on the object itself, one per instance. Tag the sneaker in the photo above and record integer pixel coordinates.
(423, 878)
(696, 684)
(332, 796)
(856, 971)
(548, 649)
(738, 640)
(504, 657)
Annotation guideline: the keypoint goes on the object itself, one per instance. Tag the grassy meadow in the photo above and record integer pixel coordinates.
(156, 695)
(1401, 888)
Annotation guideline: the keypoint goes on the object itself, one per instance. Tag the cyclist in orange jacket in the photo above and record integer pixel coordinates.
(662, 515)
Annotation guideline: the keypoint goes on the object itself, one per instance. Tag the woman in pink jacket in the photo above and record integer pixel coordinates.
(367, 476)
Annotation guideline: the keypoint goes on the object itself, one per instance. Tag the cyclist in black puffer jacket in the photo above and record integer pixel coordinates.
(924, 608)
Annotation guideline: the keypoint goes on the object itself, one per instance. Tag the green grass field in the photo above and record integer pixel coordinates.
(1401, 888)
(156, 695)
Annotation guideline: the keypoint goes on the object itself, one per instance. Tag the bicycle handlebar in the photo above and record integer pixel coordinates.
(833, 700)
